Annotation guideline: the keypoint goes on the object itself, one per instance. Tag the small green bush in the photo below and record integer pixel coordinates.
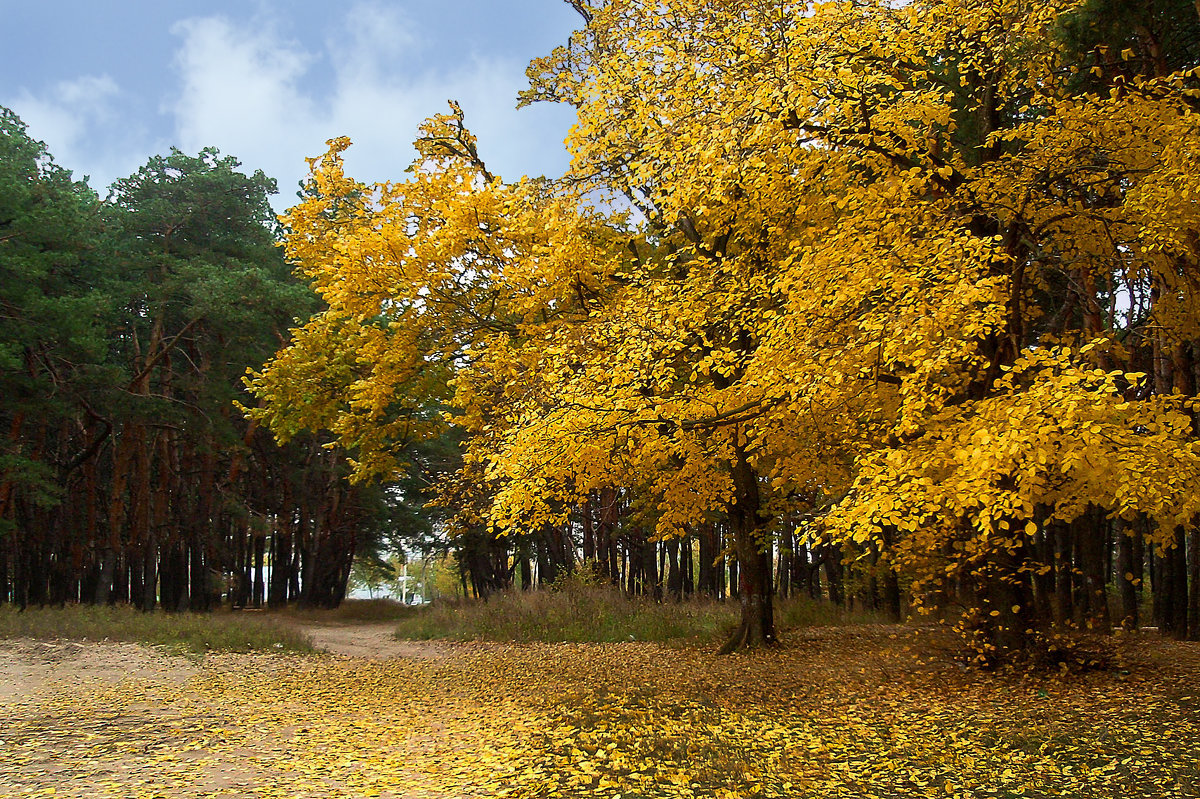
(220, 631)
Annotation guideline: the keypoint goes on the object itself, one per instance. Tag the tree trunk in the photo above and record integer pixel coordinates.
(783, 573)
(1128, 577)
(831, 557)
(1043, 575)
(1063, 606)
(687, 566)
(708, 556)
(1008, 601)
(1174, 585)
(1092, 535)
(589, 537)
(1193, 612)
(606, 534)
(757, 627)
(650, 565)
(889, 581)
(524, 566)
(674, 572)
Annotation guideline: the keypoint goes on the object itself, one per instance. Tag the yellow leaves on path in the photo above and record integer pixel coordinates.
(267, 727)
(846, 712)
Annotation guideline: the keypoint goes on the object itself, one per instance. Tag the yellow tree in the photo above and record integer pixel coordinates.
(421, 279)
(835, 276)
(861, 213)
(745, 358)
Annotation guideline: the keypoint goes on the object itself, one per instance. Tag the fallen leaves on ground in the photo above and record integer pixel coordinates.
(840, 713)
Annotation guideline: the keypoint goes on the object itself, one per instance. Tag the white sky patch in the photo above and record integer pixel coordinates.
(72, 118)
(240, 91)
(253, 94)
(374, 41)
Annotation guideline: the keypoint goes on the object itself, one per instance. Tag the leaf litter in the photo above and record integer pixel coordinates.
(864, 712)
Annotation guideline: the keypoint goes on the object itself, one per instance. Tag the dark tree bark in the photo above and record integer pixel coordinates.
(1174, 593)
(1193, 609)
(686, 566)
(1008, 601)
(1064, 607)
(674, 572)
(1091, 533)
(831, 559)
(1043, 574)
(708, 556)
(757, 626)
(589, 537)
(1129, 575)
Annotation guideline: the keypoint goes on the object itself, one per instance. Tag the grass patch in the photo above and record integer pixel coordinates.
(803, 611)
(219, 631)
(578, 613)
(574, 613)
(354, 611)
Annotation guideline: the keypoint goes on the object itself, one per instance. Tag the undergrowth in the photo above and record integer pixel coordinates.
(353, 611)
(576, 612)
(197, 633)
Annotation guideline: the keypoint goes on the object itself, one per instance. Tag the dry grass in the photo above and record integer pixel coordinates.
(197, 633)
(352, 611)
(580, 613)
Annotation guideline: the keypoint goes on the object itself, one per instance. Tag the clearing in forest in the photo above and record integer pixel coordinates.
(845, 712)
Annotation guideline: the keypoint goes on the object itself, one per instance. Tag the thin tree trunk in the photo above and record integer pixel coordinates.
(674, 572)
(589, 537)
(1193, 611)
(1063, 606)
(831, 557)
(708, 556)
(1128, 577)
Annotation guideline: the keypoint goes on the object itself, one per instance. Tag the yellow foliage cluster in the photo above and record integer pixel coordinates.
(898, 260)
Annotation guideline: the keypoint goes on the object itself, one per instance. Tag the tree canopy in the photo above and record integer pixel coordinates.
(126, 325)
(921, 276)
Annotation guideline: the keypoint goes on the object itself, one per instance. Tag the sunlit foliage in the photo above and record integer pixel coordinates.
(918, 270)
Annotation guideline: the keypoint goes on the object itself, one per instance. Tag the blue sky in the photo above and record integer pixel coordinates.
(108, 84)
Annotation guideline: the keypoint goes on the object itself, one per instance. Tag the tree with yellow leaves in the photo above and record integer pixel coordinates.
(900, 265)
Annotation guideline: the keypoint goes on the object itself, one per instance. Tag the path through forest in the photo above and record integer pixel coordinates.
(849, 712)
(100, 719)
(374, 641)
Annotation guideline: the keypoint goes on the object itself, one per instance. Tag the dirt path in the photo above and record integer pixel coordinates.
(374, 641)
(33, 670)
(106, 720)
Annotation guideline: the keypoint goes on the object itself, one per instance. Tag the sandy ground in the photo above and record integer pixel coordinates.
(377, 717)
(373, 641)
(33, 669)
(106, 720)
(30, 669)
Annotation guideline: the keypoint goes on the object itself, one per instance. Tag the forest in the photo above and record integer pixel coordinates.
(128, 474)
(890, 305)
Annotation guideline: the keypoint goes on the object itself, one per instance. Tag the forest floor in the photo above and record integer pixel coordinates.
(835, 712)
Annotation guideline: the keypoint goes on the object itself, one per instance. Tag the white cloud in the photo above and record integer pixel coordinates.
(260, 97)
(75, 119)
(375, 40)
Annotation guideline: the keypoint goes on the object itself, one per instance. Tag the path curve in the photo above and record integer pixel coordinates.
(375, 641)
